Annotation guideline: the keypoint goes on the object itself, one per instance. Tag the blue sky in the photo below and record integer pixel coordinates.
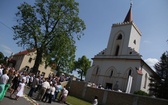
(150, 16)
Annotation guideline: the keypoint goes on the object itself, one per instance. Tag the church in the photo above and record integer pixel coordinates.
(120, 66)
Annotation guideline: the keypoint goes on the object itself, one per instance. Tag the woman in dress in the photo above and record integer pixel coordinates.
(15, 85)
(20, 89)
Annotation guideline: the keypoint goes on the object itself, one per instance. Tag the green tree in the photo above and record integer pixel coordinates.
(1, 57)
(63, 56)
(162, 70)
(50, 27)
(83, 64)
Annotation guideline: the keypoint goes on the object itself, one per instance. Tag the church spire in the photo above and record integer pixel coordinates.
(128, 17)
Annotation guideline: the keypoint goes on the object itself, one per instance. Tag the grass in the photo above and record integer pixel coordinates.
(76, 101)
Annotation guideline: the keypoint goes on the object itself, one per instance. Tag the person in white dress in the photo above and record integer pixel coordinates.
(95, 101)
(21, 87)
(63, 95)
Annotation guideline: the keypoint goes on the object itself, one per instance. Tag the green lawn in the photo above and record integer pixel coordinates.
(75, 101)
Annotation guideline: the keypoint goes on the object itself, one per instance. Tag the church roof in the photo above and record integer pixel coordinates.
(128, 17)
(24, 52)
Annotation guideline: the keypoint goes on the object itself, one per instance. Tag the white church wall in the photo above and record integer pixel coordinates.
(134, 39)
(146, 72)
(120, 73)
(125, 31)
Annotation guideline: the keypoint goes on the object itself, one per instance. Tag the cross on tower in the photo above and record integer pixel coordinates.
(131, 2)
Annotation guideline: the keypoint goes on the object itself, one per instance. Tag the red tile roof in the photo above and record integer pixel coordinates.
(23, 52)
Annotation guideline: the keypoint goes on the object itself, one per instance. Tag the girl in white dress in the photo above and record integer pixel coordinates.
(95, 101)
(20, 89)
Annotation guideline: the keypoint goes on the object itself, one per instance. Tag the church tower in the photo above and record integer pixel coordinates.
(124, 40)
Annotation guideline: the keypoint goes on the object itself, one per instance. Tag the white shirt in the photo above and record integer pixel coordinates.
(1, 72)
(4, 79)
(46, 85)
(65, 92)
(23, 77)
(27, 78)
(52, 90)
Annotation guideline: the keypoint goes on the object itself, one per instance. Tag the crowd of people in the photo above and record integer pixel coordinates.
(93, 85)
(48, 89)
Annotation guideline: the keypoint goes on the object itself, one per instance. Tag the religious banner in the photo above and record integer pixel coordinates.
(129, 84)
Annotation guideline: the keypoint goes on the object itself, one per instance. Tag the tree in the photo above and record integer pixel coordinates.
(1, 57)
(83, 64)
(63, 55)
(162, 70)
(50, 27)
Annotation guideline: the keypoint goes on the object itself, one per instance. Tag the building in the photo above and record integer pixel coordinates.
(120, 66)
(24, 60)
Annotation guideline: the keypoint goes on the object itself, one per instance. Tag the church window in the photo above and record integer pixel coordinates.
(129, 73)
(111, 73)
(119, 37)
(134, 41)
(145, 82)
(117, 51)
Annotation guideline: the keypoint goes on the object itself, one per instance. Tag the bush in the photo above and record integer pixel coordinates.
(140, 92)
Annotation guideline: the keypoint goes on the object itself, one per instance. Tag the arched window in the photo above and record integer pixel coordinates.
(119, 37)
(145, 82)
(129, 73)
(111, 73)
(117, 50)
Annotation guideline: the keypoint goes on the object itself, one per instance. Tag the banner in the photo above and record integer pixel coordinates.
(129, 84)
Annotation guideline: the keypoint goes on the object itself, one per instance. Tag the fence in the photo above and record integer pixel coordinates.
(108, 97)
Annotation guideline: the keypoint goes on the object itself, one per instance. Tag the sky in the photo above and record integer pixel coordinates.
(150, 16)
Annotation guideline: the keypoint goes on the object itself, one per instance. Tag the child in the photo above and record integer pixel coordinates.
(63, 95)
(20, 89)
(95, 101)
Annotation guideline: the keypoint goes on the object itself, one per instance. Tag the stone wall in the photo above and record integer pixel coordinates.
(108, 97)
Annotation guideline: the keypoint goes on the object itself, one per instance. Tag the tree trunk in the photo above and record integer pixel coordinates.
(81, 75)
(58, 71)
(37, 61)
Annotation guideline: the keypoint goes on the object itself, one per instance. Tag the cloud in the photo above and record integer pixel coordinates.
(5, 47)
(6, 50)
(151, 62)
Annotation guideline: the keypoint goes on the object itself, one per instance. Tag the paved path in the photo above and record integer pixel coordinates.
(9, 101)
(24, 100)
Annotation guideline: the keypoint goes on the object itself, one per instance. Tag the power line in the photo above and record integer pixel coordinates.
(6, 26)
